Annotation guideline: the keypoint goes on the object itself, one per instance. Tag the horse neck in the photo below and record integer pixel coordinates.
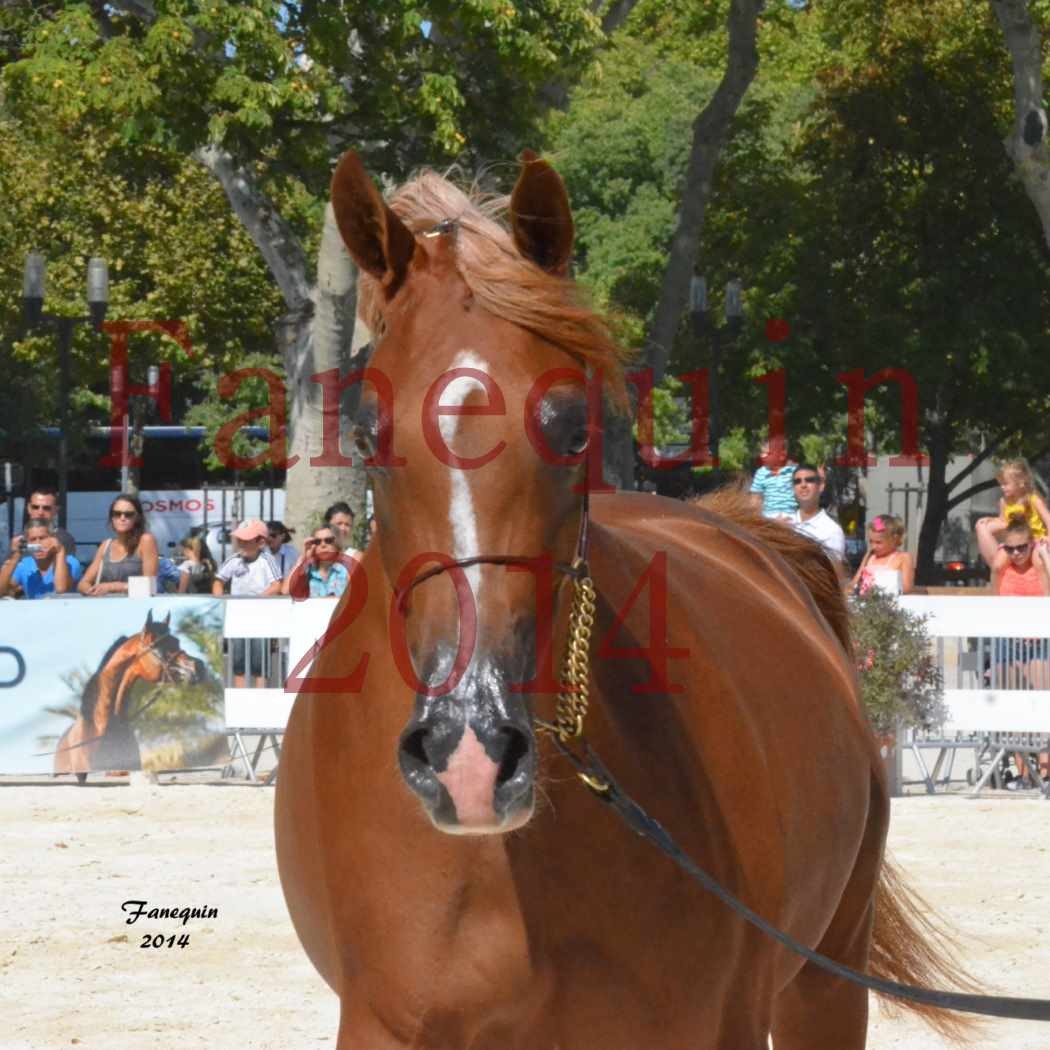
(113, 682)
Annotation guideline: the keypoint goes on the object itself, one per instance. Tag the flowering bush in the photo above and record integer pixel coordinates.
(900, 680)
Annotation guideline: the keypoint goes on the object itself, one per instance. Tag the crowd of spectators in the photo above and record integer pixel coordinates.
(41, 559)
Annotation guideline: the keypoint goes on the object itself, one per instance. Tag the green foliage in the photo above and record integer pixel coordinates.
(622, 148)
(735, 452)
(174, 249)
(864, 195)
(214, 412)
(102, 108)
(900, 681)
(291, 83)
(925, 257)
(671, 414)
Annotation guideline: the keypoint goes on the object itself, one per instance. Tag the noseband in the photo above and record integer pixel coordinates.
(573, 699)
(166, 662)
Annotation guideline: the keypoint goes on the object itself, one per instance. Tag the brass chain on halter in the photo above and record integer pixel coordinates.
(574, 698)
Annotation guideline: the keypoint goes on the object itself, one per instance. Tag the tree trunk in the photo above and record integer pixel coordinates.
(272, 235)
(937, 496)
(617, 450)
(319, 343)
(1026, 144)
(315, 335)
(709, 134)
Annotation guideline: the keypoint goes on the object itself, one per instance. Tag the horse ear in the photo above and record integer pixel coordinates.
(540, 216)
(149, 620)
(379, 242)
(167, 619)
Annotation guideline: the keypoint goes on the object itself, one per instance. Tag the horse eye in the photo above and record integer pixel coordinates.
(581, 438)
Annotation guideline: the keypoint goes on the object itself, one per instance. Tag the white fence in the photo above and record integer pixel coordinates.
(994, 654)
(290, 628)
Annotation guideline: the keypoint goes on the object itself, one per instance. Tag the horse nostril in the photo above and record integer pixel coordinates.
(515, 750)
(413, 744)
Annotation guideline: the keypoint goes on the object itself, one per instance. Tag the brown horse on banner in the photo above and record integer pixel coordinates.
(448, 875)
(102, 736)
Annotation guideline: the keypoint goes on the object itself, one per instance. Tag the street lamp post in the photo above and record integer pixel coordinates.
(704, 326)
(35, 318)
(134, 441)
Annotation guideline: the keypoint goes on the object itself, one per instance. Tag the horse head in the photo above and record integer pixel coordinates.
(492, 360)
(161, 655)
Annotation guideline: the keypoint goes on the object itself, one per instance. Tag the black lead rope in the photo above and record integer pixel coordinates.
(592, 768)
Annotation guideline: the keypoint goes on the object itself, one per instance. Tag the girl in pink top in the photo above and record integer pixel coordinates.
(1026, 571)
(885, 536)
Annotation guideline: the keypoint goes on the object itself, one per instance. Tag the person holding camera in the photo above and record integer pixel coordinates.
(43, 504)
(38, 564)
(323, 570)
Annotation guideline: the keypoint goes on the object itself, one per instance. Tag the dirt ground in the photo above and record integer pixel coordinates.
(73, 973)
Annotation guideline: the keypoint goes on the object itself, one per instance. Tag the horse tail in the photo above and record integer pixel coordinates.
(910, 947)
(806, 558)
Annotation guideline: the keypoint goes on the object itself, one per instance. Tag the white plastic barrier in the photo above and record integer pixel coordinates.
(961, 628)
(971, 707)
(994, 654)
(263, 713)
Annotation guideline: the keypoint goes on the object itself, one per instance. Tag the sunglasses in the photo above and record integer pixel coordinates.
(123, 514)
(1017, 548)
(330, 540)
(810, 480)
(41, 506)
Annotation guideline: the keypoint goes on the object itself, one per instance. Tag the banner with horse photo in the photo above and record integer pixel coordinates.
(95, 685)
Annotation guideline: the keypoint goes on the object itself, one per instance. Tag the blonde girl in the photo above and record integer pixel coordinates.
(1019, 500)
(885, 538)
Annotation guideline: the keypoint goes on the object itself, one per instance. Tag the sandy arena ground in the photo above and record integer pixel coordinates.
(73, 973)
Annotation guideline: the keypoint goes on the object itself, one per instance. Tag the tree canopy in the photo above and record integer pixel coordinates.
(265, 95)
(174, 251)
(864, 193)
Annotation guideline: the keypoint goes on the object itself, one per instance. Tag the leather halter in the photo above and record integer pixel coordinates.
(166, 662)
(577, 569)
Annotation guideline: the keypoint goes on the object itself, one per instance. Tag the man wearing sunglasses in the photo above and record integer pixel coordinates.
(809, 519)
(42, 505)
(323, 570)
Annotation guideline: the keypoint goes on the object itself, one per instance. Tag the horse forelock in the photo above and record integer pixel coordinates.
(500, 279)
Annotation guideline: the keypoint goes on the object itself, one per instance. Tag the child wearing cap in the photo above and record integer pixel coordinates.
(251, 572)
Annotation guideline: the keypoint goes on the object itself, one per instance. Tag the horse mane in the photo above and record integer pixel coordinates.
(501, 280)
(90, 695)
(806, 558)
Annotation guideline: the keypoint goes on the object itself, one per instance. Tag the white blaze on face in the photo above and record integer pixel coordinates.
(461, 508)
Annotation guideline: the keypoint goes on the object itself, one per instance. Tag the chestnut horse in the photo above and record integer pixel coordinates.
(102, 737)
(446, 872)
